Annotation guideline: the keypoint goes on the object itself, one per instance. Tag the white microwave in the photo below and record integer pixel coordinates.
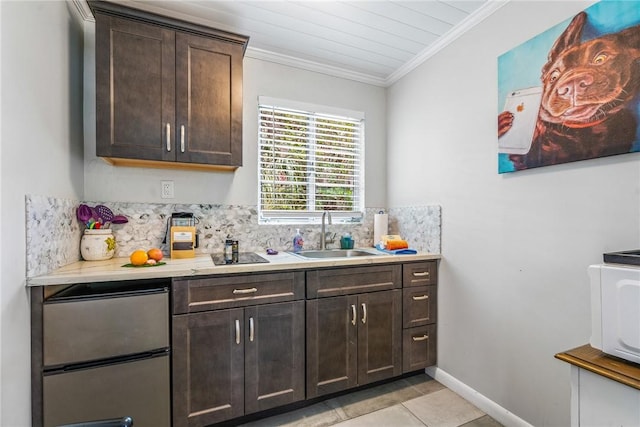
(615, 310)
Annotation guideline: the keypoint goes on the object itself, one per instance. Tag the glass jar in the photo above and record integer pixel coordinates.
(97, 245)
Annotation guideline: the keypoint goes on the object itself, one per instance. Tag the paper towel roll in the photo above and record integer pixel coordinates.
(380, 227)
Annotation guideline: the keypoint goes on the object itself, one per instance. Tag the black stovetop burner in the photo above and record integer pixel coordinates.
(623, 257)
(242, 258)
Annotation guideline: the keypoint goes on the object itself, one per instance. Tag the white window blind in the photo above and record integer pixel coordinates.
(310, 161)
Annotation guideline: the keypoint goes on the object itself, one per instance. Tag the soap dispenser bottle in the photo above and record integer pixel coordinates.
(297, 241)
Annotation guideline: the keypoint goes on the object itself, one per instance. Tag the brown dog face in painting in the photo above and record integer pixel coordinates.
(584, 83)
(586, 89)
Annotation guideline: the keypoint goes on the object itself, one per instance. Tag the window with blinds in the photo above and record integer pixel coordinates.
(310, 161)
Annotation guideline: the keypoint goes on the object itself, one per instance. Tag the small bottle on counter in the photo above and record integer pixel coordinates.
(297, 241)
(234, 251)
(228, 249)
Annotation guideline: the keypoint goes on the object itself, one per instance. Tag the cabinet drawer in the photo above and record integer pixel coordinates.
(353, 280)
(193, 295)
(419, 348)
(420, 273)
(419, 306)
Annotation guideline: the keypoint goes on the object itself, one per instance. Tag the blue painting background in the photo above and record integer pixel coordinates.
(521, 66)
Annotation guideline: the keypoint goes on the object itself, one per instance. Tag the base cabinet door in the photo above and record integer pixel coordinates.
(228, 363)
(379, 336)
(208, 367)
(353, 340)
(331, 345)
(274, 355)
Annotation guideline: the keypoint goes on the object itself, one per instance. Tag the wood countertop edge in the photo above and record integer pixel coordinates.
(594, 360)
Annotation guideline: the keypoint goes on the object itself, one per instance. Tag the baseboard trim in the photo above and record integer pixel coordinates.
(485, 404)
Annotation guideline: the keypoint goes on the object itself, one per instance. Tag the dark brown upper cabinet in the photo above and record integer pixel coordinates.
(168, 92)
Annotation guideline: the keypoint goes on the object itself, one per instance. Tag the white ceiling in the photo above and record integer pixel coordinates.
(375, 41)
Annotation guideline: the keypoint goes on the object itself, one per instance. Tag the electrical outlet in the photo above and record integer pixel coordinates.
(166, 189)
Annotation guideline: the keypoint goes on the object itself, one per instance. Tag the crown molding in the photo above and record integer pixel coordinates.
(82, 7)
(482, 13)
(317, 67)
(465, 25)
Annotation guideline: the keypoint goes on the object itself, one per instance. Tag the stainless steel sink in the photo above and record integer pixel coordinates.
(334, 253)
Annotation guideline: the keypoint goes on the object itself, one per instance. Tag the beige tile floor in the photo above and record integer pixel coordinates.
(414, 401)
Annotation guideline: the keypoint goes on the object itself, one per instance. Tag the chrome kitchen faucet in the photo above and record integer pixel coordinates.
(323, 234)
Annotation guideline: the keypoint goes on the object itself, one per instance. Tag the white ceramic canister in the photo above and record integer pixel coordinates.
(97, 245)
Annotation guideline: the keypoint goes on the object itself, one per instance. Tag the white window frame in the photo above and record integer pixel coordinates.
(312, 216)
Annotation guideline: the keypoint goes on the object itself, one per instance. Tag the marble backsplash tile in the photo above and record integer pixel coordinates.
(419, 225)
(53, 234)
(53, 231)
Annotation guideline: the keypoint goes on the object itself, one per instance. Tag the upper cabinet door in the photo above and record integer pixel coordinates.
(209, 100)
(135, 89)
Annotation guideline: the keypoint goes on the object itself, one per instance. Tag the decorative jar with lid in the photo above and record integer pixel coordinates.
(97, 245)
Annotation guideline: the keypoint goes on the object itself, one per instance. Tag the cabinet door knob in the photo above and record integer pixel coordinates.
(364, 313)
(353, 314)
(420, 298)
(182, 138)
(422, 338)
(237, 331)
(251, 329)
(421, 273)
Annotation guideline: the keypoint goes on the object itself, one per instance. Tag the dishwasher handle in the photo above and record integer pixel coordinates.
(97, 290)
(112, 422)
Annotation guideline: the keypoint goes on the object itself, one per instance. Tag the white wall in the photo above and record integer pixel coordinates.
(513, 288)
(41, 153)
(108, 183)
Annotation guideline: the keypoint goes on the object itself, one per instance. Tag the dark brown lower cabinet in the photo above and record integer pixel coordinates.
(274, 356)
(353, 340)
(419, 347)
(228, 363)
(208, 368)
(420, 313)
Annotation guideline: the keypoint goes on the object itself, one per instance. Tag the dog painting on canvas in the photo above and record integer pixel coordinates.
(588, 102)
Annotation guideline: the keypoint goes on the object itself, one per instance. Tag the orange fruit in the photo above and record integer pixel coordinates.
(154, 253)
(138, 257)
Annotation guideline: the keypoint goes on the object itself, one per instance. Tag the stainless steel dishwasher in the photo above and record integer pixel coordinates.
(106, 353)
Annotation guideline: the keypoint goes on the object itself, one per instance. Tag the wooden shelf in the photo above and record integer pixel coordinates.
(594, 360)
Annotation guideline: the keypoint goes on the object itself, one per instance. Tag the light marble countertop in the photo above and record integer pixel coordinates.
(111, 270)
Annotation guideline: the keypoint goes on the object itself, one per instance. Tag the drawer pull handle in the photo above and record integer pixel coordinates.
(364, 313)
(422, 338)
(168, 137)
(245, 291)
(237, 331)
(251, 329)
(421, 274)
(421, 298)
(353, 314)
